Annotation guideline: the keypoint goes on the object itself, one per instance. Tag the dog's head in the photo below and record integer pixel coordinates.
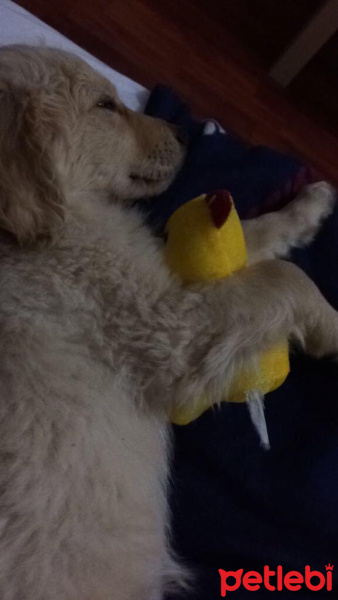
(64, 134)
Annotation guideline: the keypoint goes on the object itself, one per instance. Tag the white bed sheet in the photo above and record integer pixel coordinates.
(19, 26)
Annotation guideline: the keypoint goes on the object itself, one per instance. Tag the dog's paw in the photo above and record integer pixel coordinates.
(314, 204)
(319, 199)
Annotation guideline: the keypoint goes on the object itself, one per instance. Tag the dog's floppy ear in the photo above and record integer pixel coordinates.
(31, 203)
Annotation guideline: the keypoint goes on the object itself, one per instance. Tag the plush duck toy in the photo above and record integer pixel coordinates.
(205, 241)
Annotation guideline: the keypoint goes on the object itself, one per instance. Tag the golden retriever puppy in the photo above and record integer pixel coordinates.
(98, 341)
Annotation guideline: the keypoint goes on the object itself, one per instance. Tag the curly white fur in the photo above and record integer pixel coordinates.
(97, 340)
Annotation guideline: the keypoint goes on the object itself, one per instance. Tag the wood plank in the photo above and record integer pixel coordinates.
(313, 36)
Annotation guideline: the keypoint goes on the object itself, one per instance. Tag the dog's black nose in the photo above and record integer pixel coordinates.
(182, 136)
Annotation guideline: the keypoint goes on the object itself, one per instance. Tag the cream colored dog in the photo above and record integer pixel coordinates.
(98, 340)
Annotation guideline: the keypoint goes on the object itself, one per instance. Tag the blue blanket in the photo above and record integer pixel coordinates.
(236, 506)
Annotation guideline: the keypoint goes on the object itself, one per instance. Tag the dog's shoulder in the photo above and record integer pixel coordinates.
(103, 252)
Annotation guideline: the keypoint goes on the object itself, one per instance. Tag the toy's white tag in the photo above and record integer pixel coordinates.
(255, 402)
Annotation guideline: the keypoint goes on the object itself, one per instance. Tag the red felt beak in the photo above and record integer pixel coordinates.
(220, 204)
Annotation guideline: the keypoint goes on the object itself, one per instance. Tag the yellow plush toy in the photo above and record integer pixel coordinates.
(205, 241)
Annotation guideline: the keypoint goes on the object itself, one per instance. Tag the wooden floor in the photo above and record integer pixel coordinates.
(191, 45)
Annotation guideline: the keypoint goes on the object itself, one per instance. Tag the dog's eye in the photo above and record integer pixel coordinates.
(108, 104)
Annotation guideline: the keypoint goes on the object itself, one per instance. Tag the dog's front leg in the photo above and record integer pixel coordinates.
(203, 335)
(275, 234)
